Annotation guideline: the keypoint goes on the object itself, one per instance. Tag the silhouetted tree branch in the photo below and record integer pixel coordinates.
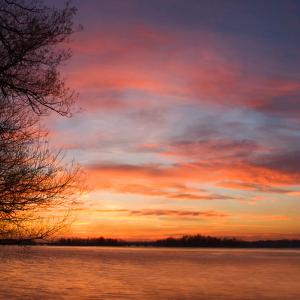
(33, 178)
(29, 56)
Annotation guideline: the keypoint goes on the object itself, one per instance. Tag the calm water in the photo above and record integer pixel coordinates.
(132, 273)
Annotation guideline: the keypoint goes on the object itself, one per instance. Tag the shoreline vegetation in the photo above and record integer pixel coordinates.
(187, 241)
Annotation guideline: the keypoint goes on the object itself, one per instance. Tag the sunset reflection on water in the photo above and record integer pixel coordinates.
(147, 273)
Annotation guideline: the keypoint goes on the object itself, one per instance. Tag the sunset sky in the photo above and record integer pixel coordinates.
(190, 119)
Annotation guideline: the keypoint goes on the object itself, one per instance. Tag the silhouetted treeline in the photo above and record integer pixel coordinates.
(90, 242)
(20, 242)
(199, 241)
(185, 241)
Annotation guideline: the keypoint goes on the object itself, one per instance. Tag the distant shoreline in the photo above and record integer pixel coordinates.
(148, 247)
(188, 241)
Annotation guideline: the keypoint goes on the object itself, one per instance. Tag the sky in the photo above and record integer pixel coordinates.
(189, 118)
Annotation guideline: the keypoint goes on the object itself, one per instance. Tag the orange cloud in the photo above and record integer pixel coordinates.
(154, 180)
(167, 212)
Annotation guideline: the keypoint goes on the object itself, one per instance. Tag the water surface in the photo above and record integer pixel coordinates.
(148, 273)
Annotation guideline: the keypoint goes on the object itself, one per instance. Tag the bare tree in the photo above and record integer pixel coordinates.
(33, 178)
(29, 55)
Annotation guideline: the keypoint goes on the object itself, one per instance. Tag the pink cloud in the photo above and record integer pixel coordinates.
(158, 61)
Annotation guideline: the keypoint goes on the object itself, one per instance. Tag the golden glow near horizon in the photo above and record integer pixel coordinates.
(188, 126)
